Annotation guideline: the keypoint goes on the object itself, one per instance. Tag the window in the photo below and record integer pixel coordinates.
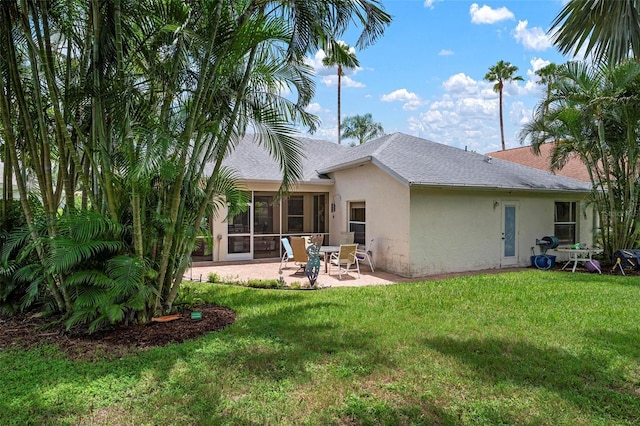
(319, 213)
(295, 213)
(263, 216)
(239, 224)
(357, 218)
(564, 226)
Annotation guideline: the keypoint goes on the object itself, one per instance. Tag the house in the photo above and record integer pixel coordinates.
(421, 207)
(574, 168)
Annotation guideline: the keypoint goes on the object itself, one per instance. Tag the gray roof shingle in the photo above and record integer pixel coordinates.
(413, 161)
(251, 160)
(416, 161)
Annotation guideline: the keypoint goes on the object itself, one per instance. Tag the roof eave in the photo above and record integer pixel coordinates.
(319, 182)
(493, 188)
(347, 165)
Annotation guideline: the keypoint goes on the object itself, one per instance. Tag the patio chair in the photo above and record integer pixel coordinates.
(365, 254)
(299, 248)
(347, 257)
(288, 252)
(346, 237)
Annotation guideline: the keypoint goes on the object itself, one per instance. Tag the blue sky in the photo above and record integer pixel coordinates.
(425, 76)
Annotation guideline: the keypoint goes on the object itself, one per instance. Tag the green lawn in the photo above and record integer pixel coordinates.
(534, 348)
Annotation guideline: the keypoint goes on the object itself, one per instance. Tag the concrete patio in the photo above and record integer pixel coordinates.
(245, 270)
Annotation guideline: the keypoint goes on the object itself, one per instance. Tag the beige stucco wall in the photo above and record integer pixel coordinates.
(461, 230)
(387, 204)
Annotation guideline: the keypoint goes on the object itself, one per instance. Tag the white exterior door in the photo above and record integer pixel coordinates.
(509, 233)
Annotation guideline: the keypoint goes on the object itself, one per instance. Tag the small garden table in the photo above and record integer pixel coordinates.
(580, 255)
(327, 251)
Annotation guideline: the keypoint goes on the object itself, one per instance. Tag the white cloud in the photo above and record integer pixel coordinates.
(410, 99)
(538, 63)
(466, 115)
(345, 81)
(531, 38)
(314, 108)
(445, 52)
(487, 15)
(430, 3)
(477, 107)
(460, 84)
(519, 114)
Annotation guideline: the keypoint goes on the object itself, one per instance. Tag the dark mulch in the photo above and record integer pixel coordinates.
(30, 331)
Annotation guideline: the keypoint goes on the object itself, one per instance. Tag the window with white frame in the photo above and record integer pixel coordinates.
(564, 226)
(357, 217)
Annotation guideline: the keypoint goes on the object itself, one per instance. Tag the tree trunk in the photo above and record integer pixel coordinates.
(339, 82)
(501, 118)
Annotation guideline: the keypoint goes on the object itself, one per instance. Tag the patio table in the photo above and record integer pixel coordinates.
(327, 251)
(580, 255)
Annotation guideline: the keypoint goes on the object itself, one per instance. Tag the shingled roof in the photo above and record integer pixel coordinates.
(419, 162)
(411, 160)
(251, 160)
(524, 155)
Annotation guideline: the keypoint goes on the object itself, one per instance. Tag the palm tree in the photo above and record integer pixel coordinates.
(593, 113)
(362, 128)
(500, 73)
(341, 55)
(609, 30)
(115, 106)
(548, 76)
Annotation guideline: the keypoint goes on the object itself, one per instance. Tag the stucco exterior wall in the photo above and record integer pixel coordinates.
(460, 230)
(387, 204)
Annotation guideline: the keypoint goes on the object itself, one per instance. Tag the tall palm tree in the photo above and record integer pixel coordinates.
(593, 113)
(341, 55)
(501, 73)
(362, 128)
(548, 76)
(609, 30)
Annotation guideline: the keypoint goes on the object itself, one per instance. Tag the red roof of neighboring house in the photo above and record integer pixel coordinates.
(574, 168)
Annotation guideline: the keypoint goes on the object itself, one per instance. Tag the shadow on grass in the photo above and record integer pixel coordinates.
(276, 335)
(623, 342)
(295, 330)
(588, 381)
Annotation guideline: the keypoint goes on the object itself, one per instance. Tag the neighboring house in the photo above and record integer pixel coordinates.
(574, 168)
(422, 207)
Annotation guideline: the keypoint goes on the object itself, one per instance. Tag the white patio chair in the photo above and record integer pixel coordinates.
(365, 253)
(288, 252)
(346, 237)
(347, 257)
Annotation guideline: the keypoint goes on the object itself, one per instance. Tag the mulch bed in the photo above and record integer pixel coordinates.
(30, 331)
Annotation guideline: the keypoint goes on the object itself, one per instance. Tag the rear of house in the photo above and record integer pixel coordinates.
(432, 208)
(422, 208)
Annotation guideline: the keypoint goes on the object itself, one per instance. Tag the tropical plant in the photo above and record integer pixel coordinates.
(608, 30)
(130, 116)
(594, 113)
(501, 73)
(339, 54)
(548, 76)
(362, 128)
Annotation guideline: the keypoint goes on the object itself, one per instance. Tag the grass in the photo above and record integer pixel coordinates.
(531, 348)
